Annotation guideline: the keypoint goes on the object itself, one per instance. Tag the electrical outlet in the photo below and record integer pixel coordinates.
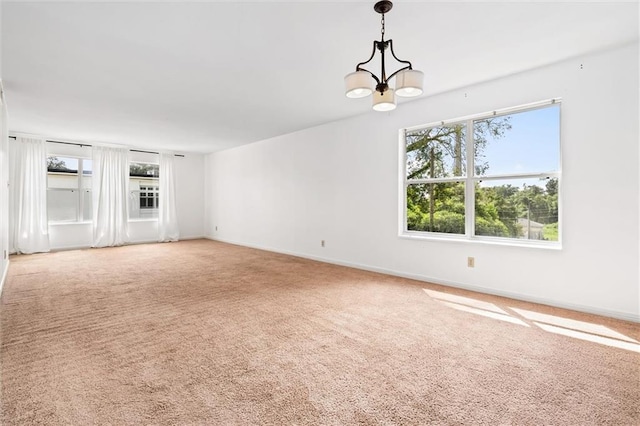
(216, 228)
(321, 243)
(471, 262)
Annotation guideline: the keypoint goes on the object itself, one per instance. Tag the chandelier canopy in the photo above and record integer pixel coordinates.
(408, 82)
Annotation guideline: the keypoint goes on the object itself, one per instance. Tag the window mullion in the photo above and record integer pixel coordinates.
(80, 212)
(469, 183)
(402, 211)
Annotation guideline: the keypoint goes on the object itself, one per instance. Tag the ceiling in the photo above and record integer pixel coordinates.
(206, 76)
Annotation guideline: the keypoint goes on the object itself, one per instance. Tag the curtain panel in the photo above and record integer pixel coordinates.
(167, 217)
(110, 196)
(28, 224)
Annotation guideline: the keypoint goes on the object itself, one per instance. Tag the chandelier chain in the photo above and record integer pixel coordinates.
(382, 30)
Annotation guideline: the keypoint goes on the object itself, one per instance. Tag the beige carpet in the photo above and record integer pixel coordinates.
(200, 332)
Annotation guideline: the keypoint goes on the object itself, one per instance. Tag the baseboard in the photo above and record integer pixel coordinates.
(131, 243)
(434, 280)
(198, 237)
(5, 273)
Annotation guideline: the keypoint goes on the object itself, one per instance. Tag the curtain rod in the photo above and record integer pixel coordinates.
(86, 144)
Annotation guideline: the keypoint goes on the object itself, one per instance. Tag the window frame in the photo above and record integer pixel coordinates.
(148, 181)
(79, 189)
(470, 180)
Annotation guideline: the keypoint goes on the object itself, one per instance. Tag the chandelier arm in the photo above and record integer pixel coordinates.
(373, 53)
(372, 74)
(408, 67)
(398, 59)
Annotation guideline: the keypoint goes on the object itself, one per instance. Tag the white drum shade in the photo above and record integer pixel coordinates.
(358, 84)
(385, 101)
(409, 83)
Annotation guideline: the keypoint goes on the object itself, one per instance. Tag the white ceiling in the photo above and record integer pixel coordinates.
(205, 76)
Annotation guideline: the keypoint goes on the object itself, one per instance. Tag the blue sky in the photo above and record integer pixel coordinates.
(532, 144)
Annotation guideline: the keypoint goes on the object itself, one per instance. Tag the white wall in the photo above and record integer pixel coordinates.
(4, 194)
(189, 173)
(339, 182)
(4, 181)
(190, 195)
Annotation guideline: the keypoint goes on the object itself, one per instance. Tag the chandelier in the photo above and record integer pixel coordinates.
(408, 81)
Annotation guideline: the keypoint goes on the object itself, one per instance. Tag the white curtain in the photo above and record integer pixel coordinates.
(29, 229)
(167, 218)
(4, 189)
(110, 196)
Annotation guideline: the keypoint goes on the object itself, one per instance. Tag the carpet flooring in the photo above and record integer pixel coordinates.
(205, 333)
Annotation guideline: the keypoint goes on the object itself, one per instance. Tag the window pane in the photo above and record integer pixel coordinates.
(86, 181)
(436, 207)
(517, 208)
(143, 189)
(87, 173)
(525, 142)
(87, 166)
(134, 204)
(62, 180)
(144, 170)
(149, 212)
(141, 205)
(62, 164)
(436, 152)
(87, 211)
(62, 204)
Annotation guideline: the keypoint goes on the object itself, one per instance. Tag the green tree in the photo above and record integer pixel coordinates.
(54, 164)
(538, 204)
(143, 170)
(496, 211)
(552, 193)
(440, 152)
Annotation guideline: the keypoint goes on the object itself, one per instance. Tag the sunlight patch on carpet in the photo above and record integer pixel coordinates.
(474, 306)
(467, 301)
(572, 324)
(484, 313)
(590, 337)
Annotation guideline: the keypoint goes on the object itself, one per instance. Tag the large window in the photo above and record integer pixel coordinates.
(143, 187)
(69, 197)
(494, 176)
(69, 189)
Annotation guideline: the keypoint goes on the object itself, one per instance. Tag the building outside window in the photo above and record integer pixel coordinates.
(148, 197)
(143, 190)
(493, 176)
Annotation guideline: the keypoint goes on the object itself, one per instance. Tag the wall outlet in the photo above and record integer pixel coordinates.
(4, 254)
(216, 228)
(321, 243)
(471, 262)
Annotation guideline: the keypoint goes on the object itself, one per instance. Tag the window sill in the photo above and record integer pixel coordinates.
(152, 219)
(546, 245)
